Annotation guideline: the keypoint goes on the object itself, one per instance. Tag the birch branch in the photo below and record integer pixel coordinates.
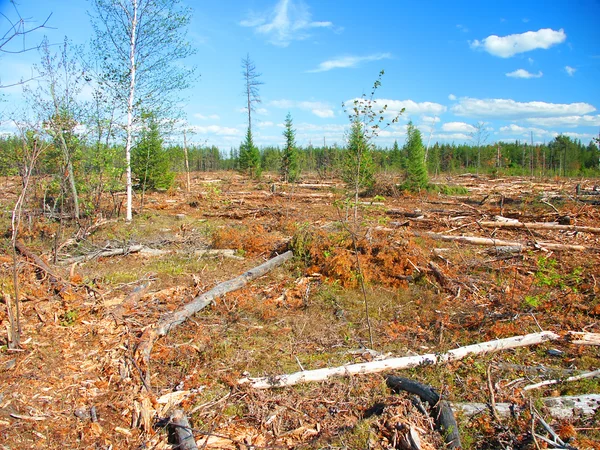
(406, 362)
(593, 374)
(539, 226)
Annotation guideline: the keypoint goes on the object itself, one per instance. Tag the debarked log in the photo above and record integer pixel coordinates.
(500, 243)
(182, 431)
(406, 362)
(171, 320)
(538, 226)
(104, 253)
(56, 280)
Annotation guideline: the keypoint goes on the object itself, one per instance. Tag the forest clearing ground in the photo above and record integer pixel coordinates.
(307, 314)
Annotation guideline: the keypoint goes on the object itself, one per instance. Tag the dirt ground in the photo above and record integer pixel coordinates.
(76, 381)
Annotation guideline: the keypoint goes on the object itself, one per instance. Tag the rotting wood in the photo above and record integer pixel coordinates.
(444, 281)
(500, 243)
(406, 362)
(171, 320)
(558, 407)
(593, 374)
(584, 338)
(216, 252)
(132, 298)
(538, 226)
(440, 409)
(55, 280)
(182, 431)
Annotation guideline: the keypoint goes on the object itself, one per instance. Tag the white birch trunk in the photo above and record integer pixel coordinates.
(406, 362)
(130, 101)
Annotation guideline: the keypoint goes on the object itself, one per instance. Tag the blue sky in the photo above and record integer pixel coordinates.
(518, 66)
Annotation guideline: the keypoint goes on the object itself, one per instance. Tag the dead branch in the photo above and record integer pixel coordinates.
(105, 253)
(557, 407)
(171, 320)
(56, 281)
(593, 374)
(538, 226)
(583, 338)
(441, 411)
(182, 430)
(406, 362)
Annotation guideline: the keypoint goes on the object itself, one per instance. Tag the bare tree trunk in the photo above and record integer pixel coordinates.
(132, 68)
(188, 184)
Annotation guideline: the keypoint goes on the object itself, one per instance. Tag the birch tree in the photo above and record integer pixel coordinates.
(140, 45)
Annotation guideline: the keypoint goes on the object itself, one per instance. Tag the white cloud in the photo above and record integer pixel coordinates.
(430, 120)
(530, 60)
(410, 106)
(462, 28)
(209, 117)
(566, 121)
(513, 129)
(522, 73)
(265, 124)
(346, 62)
(319, 109)
(510, 109)
(570, 70)
(452, 97)
(458, 127)
(262, 111)
(507, 46)
(216, 130)
(287, 21)
(451, 136)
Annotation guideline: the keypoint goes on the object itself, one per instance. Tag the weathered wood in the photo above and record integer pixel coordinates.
(441, 411)
(499, 243)
(584, 338)
(593, 374)
(175, 318)
(56, 281)
(182, 431)
(105, 253)
(406, 362)
(538, 226)
(558, 407)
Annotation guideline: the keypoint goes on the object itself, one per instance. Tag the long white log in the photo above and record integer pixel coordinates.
(398, 363)
(498, 242)
(594, 374)
(538, 226)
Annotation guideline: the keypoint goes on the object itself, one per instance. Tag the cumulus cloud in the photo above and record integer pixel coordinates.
(319, 109)
(509, 109)
(208, 117)
(522, 73)
(570, 70)
(513, 44)
(410, 106)
(458, 127)
(452, 97)
(287, 21)
(566, 121)
(514, 129)
(216, 130)
(346, 62)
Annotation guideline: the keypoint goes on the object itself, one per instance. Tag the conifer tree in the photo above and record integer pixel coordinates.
(289, 159)
(417, 177)
(249, 156)
(358, 171)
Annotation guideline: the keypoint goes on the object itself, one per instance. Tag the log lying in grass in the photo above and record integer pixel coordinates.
(58, 283)
(538, 226)
(558, 407)
(440, 409)
(103, 254)
(593, 374)
(171, 320)
(500, 243)
(398, 363)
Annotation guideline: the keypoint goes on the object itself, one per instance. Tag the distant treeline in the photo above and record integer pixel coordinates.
(105, 165)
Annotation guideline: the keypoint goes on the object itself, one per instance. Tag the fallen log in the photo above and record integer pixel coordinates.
(441, 412)
(584, 338)
(538, 226)
(105, 253)
(55, 280)
(558, 407)
(405, 362)
(171, 320)
(500, 243)
(180, 427)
